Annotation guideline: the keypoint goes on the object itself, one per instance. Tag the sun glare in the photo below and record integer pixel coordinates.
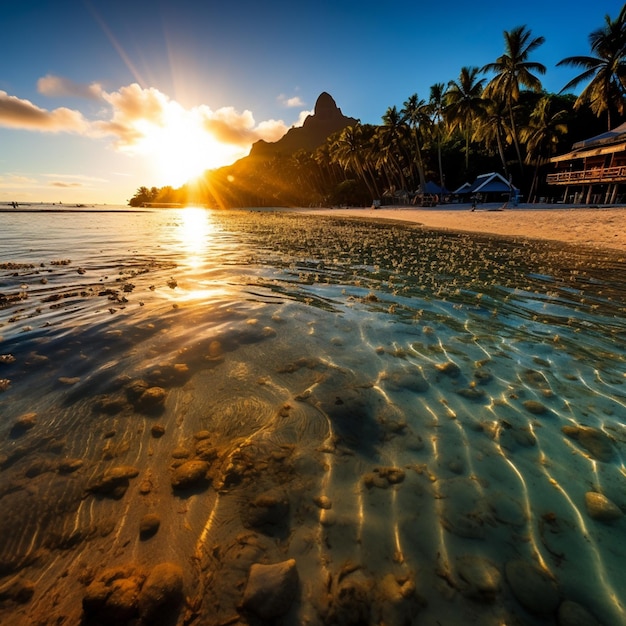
(181, 149)
(195, 233)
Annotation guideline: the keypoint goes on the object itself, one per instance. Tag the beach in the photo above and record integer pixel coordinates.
(598, 227)
(310, 417)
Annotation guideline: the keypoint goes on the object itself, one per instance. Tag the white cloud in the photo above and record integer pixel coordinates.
(56, 86)
(23, 114)
(64, 185)
(302, 117)
(292, 102)
(141, 120)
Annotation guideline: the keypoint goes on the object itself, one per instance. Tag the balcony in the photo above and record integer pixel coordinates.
(589, 177)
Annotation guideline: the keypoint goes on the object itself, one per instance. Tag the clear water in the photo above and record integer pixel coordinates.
(423, 421)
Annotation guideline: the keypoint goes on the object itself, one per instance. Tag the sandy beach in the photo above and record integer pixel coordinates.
(598, 227)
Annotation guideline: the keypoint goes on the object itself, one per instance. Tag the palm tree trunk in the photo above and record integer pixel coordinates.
(515, 139)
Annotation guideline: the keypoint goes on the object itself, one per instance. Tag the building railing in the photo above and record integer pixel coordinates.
(590, 176)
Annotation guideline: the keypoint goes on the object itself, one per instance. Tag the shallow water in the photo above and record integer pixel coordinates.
(431, 425)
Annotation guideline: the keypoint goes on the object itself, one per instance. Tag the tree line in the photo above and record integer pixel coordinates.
(494, 118)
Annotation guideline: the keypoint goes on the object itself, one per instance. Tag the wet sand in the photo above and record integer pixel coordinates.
(598, 227)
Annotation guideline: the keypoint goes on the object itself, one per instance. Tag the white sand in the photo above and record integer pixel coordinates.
(598, 227)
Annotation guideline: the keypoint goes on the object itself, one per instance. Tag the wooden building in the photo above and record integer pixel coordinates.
(594, 170)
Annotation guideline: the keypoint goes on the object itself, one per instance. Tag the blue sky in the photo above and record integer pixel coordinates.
(98, 97)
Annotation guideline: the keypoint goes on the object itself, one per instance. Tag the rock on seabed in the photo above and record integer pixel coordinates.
(533, 587)
(601, 508)
(271, 589)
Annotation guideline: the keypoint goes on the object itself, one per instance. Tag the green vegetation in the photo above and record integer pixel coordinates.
(494, 118)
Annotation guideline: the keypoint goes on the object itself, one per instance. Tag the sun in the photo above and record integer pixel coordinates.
(181, 149)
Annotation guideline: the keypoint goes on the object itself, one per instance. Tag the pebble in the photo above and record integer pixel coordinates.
(323, 502)
(600, 508)
(158, 430)
(271, 589)
(449, 369)
(535, 407)
(67, 466)
(189, 474)
(151, 400)
(23, 424)
(114, 481)
(149, 525)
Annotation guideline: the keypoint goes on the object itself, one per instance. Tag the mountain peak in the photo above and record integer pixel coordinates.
(326, 105)
(327, 119)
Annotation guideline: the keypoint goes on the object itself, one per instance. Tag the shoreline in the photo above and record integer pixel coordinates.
(601, 227)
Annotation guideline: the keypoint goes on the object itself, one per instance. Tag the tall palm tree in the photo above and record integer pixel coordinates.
(512, 70)
(392, 135)
(464, 102)
(606, 71)
(349, 150)
(417, 116)
(542, 135)
(437, 103)
(493, 128)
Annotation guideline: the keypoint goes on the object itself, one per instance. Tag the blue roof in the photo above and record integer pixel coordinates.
(491, 183)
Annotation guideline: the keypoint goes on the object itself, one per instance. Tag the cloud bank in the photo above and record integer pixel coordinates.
(24, 115)
(57, 87)
(133, 115)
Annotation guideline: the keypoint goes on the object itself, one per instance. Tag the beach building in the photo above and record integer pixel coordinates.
(490, 187)
(592, 172)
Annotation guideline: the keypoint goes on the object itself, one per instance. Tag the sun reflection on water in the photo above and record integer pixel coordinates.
(196, 229)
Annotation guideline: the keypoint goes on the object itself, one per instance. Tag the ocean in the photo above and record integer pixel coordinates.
(249, 417)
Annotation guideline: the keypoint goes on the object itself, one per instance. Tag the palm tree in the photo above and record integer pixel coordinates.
(464, 102)
(606, 71)
(349, 150)
(392, 135)
(493, 128)
(512, 70)
(437, 103)
(542, 135)
(417, 116)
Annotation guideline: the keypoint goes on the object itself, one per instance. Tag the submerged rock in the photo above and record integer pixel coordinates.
(149, 525)
(450, 369)
(411, 381)
(573, 614)
(151, 401)
(124, 594)
(19, 590)
(114, 481)
(594, 440)
(600, 508)
(532, 586)
(535, 407)
(268, 510)
(162, 591)
(113, 597)
(382, 477)
(157, 431)
(271, 589)
(480, 578)
(190, 474)
(23, 424)
(323, 502)
(67, 466)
